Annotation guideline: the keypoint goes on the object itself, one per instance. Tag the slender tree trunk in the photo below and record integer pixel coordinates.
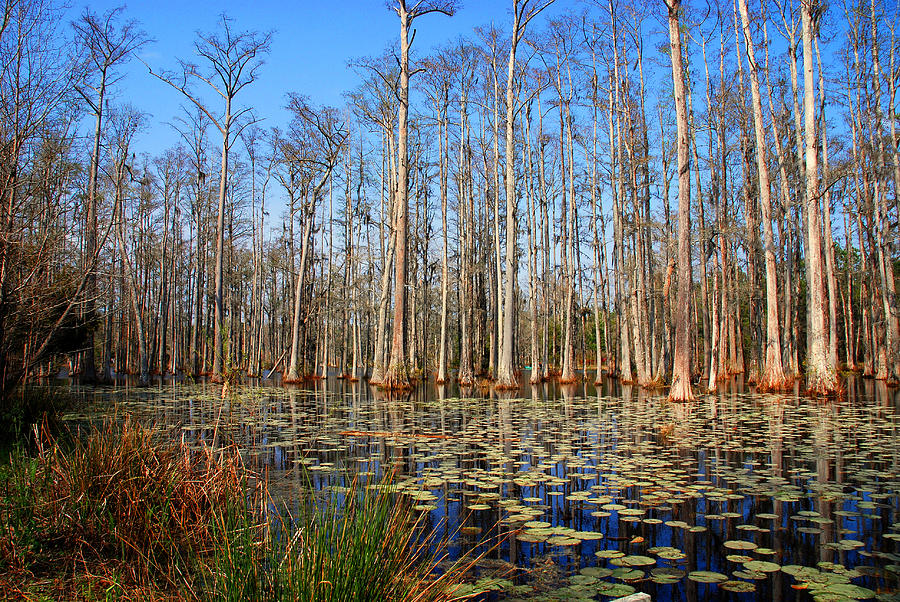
(784, 230)
(624, 359)
(533, 235)
(443, 151)
(88, 367)
(219, 359)
(828, 251)
(890, 364)
(293, 371)
(130, 280)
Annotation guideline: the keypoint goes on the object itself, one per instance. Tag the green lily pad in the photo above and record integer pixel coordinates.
(762, 566)
(848, 590)
(737, 586)
(627, 574)
(633, 561)
(615, 590)
(587, 535)
(596, 571)
(707, 577)
(757, 575)
(672, 555)
(562, 540)
(738, 558)
(739, 544)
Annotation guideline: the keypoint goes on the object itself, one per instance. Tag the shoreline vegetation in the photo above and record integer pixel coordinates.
(112, 513)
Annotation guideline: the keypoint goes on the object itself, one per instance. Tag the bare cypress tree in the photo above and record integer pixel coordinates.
(889, 350)
(126, 122)
(523, 12)
(773, 374)
(235, 59)
(441, 70)
(315, 145)
(465, 54)
(108, 44)
(681, 374)
(397, 375)
(376, 101)
(169, 178)
(828, 250)
(821, 378)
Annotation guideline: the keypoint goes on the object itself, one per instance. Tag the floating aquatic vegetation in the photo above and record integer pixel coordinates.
(707, 577)
(725, 492)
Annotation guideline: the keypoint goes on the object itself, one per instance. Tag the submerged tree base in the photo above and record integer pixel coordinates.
(654, 384)
(680, 391)
(507, 382)
(824, 384)
(296, 379)
(466, 379)
(775, 383)
(396, 379)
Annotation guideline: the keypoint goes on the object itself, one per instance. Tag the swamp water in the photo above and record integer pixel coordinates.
(593, 493)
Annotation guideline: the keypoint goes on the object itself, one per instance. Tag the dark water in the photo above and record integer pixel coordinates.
(595, 492)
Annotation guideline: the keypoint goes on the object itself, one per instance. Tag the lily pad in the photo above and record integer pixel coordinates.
(762, 566)
(739, 544)
(633, 561)
(707, 577)
(627, 574)
(737, 586)
(615, 590)
(848, 590)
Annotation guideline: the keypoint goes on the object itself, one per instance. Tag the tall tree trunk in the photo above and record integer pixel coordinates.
(773, 374)
(88, 367)
(506, 372)
(821, 378)
(890, 364)
(130, 280)
(219, 359)
(443, 151)
(830, 277)
(681, 376)
(397, 375)
(615, 148)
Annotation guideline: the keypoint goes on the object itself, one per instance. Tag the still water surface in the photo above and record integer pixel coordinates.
(595, 492)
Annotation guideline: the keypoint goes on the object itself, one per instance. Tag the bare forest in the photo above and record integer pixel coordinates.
(669, 193)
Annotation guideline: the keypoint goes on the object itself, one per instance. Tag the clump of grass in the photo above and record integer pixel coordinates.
(368, 546)
(116, 501)
(116, 512)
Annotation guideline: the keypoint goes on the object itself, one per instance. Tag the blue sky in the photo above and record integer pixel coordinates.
(312, 44)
